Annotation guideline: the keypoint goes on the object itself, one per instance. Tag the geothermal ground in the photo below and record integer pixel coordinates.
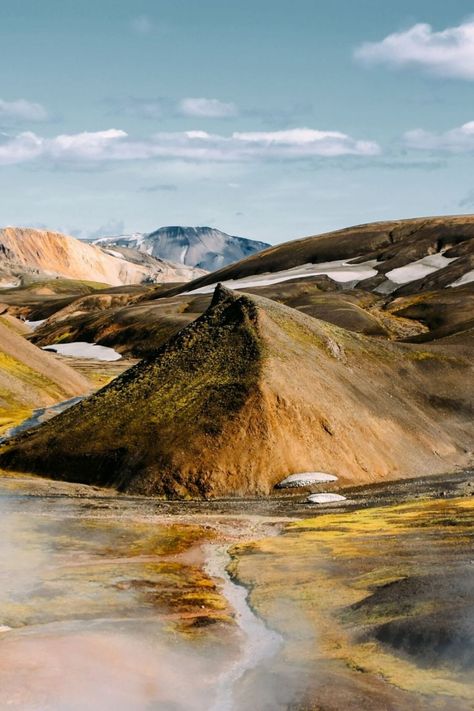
(129, 603)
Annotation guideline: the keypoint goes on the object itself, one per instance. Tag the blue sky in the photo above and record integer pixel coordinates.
(269, 119)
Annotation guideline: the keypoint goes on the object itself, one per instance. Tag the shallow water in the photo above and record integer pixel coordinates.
(105, 605)
(40, 415)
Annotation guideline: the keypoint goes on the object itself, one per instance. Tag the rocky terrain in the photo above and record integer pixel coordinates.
(253, 391)
(202, 247)
(28, 254)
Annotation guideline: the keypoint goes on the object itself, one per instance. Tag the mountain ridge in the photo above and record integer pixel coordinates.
(32, 254)
(202, 247)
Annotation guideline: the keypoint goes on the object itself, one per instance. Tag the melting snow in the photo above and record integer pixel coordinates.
(324, 498)
(419, 269)
(340, 270)
(305, 479)
(35, 324)
(82, 349)
(465, 279)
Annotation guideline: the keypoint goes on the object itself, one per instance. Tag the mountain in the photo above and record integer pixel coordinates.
(202, 247)
(399, 257)
(433, 257)
(29, 377)
(28, 254)
(253, 391)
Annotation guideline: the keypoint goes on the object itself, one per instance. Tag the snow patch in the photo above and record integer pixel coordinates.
(419, 269)
(305, 479)
(340, 270)
(324, 498)
(465, 279)
(35, 324)
(113, 253)
(82, 349)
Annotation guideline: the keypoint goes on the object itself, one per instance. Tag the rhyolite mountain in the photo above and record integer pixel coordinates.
(401, 280)
(252, 391)
(394, 257)
(29, 254)
(202, 247)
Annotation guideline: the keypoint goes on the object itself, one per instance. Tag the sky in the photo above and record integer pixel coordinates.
(270, 119)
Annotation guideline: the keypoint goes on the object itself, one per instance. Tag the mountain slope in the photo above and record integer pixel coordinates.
(29, 377)
(401, 255)
(253, 391)
(32, 254)
(202, 247)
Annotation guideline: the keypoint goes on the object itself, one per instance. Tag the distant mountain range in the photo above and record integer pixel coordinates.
(201, 247)
(29, 255)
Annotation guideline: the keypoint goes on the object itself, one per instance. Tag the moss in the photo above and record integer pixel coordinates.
(343, 576)
(177, 402)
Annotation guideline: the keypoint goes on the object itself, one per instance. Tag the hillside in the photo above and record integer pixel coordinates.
(408, 280)
(28, 254)
(253, 391)
(397, 257)
(29, 377)
(202, 247)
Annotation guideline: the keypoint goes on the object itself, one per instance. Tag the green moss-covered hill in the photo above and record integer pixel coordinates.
(252, 391)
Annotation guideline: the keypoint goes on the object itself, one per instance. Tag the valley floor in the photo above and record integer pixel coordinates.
(123, 602)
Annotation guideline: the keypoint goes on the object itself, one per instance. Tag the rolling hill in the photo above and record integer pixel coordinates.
(252, 391)
(29, 377)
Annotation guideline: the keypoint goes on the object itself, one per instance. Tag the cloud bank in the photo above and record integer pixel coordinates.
(116, 145)
(448, 53)
(457, 140)
(208, 108)
(22, 110)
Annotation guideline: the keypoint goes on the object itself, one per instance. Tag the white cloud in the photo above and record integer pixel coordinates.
(22, 110)
(197, 146)
(210, 108)
(307, 141)
(23, 147)
(27, 146)
(449, 53)
(457, 140)
(142, 25)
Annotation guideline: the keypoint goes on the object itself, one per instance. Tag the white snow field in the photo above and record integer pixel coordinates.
(82, 349)
(419, 269)
(305, 479)
(340, 270)
(465, 279)
(324, 498)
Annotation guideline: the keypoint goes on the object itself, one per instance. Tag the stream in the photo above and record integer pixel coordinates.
(40, 415)
(259, 643)
(94, 593)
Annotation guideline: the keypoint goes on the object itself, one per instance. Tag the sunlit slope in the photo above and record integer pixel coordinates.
(253, 391)
(29, 377)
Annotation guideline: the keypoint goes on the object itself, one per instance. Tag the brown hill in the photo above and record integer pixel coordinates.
(29, 377)
(392, 244)
(28, 253)
(253, 391)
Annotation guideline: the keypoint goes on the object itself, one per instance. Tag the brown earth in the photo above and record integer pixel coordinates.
(253, 391)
